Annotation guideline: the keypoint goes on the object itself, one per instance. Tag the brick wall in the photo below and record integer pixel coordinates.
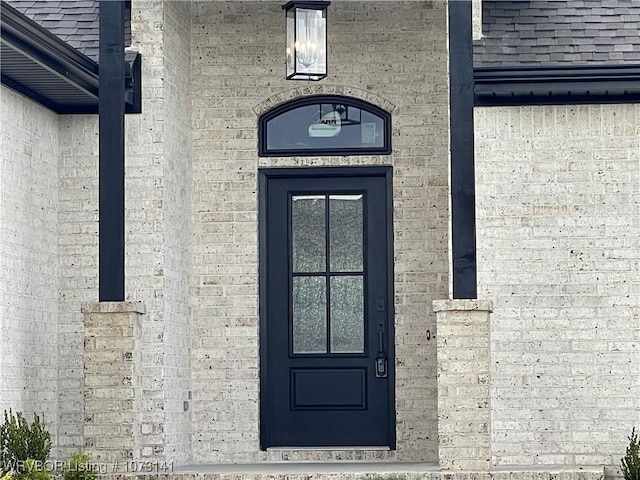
(464, 407)
(78, 262)
(29, 156)
(158, 223)
(144, 230)
(396, 51)
(558, 208)
(477, 19)
(112, 362)
(177, 180)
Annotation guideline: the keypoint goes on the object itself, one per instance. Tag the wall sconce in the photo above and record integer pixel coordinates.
(306, 26)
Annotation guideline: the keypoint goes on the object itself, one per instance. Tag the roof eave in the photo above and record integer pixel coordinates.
(549, 85)
(52, 58)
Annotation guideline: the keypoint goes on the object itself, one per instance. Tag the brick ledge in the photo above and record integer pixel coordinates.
(462, 305)
(112, 307)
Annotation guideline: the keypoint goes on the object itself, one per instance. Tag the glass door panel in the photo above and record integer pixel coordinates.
(308, 233)
(309, 315)
(345, 232)
(327, 298)
(347, 314)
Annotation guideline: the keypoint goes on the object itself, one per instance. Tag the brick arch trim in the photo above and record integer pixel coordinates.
(309, 90)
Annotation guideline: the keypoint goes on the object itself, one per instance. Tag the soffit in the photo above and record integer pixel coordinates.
(43, 67)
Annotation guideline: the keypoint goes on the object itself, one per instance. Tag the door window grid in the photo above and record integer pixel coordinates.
(327, 245)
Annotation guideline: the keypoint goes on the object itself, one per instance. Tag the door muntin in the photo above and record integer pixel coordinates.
(327, 273)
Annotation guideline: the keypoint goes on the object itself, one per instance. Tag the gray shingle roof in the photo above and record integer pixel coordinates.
(559, 32)
(516, 32)
(77, 22)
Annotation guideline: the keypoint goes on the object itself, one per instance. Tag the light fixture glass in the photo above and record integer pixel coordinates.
(306, 29)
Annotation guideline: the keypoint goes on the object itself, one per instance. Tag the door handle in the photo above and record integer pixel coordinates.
(381, 358)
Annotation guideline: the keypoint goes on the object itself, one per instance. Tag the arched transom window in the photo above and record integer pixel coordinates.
(325, 125)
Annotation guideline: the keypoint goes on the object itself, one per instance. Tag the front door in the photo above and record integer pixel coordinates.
(326, 308)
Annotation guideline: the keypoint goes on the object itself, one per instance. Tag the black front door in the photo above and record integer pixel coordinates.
(326, 308)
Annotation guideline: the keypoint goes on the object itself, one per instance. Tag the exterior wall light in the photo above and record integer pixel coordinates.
(306, 29)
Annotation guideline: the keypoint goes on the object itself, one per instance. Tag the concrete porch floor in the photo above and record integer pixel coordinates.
(358, 471)
(279, 468)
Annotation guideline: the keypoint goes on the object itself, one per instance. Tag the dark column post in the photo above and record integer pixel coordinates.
(463, 208)
(111, 150)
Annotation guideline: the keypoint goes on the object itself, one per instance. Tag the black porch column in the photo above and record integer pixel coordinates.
(111, 150)
(463, 208)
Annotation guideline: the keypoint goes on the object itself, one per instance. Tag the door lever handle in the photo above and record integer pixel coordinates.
(381, 367)
(381, 359)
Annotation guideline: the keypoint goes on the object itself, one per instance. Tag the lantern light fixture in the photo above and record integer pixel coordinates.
(306, 29)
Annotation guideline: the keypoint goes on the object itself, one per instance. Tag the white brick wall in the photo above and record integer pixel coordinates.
(397, 51)
(158, 222)
(477, 19)
(464, 407)
(177, 180)
(144, 230)
(558, 207)
(112, 361)
(78, 260)
(29, 157)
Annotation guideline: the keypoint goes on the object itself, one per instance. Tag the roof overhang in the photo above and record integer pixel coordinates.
(573, 84)
(39, 65)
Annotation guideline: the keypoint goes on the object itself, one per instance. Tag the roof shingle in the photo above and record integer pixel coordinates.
(537, 32)
(76, 22)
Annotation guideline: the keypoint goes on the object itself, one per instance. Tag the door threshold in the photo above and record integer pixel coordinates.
(328, 449)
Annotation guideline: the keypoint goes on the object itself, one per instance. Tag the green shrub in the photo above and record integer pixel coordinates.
(34, 470)
(21, 441)
(78, 468)
(631, 461)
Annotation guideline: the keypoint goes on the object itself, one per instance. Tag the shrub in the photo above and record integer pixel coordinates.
(631, 461)
(21, 441)
(34, 470)
(78, 468)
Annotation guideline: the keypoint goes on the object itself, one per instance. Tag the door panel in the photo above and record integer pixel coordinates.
(326, 331)
(315, 388)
